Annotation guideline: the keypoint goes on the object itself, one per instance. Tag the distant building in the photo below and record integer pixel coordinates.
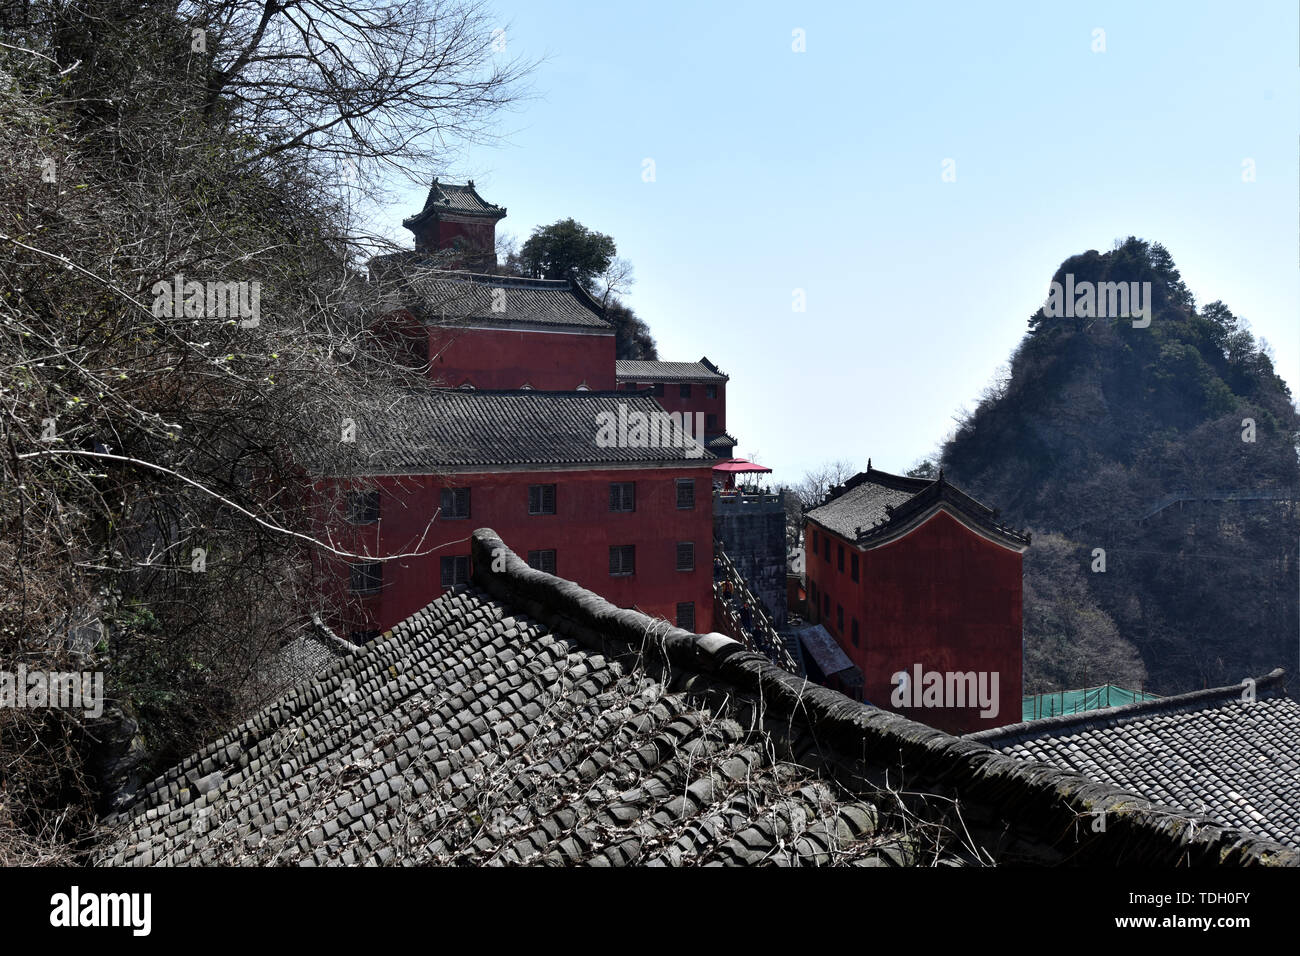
(510, 435)
(911, 576)
(633, 524)
(690, 387)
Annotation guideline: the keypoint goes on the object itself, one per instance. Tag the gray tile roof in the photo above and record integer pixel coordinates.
(638, 370)
(447, 428)
(449, 197)
(441, 297)
(859, 508)
(525, 720)
(874, 506)
(1207, 752)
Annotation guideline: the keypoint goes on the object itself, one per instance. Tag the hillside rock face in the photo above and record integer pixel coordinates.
(1103, 419)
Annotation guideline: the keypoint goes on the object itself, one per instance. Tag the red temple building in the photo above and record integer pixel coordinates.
(913, 577)
(509, 436)
(633, 524)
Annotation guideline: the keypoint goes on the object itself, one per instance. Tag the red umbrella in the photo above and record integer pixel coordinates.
(737, 465)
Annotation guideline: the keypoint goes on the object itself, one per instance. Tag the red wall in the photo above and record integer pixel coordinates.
(672, 401)
(509, 358)
(941, 596)
(442, 234)
(581, 532)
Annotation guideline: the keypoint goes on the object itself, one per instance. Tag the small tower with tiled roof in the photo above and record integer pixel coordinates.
(457, 217)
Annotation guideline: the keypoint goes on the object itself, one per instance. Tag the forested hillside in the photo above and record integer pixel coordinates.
(1123, 438)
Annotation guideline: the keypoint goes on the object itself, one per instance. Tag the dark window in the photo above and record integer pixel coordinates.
(622, 496)
(684, 391)
(455, 570)
(839, 618)
(657, 388)
(855, 632)
(367, 578)
(363, 507)
(541, 499)
(853, 565)
(710, 422)
(543, 560)
(622, 559)
(362, 637)
(711, 391)
(826, 548)
(686, 556)
(839, 557)
(455, 502)
(686, 494)
(826, 604)
(816, 542)
(686, 616)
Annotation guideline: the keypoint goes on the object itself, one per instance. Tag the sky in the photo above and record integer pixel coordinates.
(823, 170)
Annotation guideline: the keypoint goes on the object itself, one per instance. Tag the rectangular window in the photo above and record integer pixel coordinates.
(816, 542)
(684, 391)
(622, 496)
(826, 604)
(853, 565)
(367, 577)
(686, 616)
(541, 499)
(455, 502)
(855, 632)
(826, 549)
(455, 570)
(839, 618)
(686, 494)
(710, 422)
(710, 391)
(543, 560)
(622, 560)
(686, 556)
(839, 557)
(363, 507)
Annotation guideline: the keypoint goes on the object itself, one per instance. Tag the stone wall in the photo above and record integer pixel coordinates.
(752, 531)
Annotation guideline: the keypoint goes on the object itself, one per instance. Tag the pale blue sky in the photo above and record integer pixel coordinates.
(821, 171)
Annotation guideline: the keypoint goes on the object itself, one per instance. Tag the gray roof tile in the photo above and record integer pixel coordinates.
(617, 767)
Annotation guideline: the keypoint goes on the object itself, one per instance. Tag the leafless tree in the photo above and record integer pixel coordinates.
(184, 325)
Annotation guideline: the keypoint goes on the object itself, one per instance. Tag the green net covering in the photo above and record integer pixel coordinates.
(1061, 702)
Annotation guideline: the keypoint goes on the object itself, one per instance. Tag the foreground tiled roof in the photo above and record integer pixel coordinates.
(525, 720)
(875, 506)
(1210, 752)
(638, 370)
(449, 428)
(462, 200)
